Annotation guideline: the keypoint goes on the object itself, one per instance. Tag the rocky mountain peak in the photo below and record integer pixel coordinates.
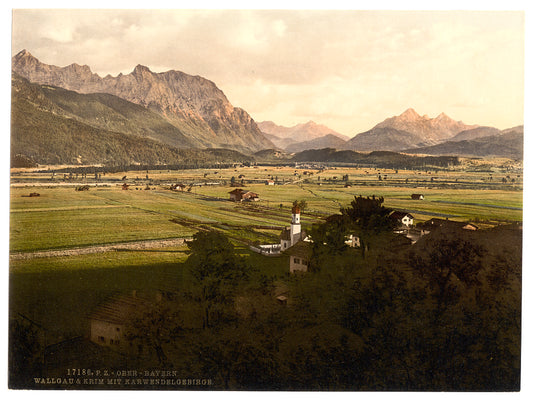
(442, 117)
(410, 114)
(429, 130)
(140, 70)
(76, 68)
(24, 58)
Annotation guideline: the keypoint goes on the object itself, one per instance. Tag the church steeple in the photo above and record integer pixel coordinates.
(295, 215)
(296, 227)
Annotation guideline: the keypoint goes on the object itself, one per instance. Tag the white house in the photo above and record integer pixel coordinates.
(299, 256)
(402, 218)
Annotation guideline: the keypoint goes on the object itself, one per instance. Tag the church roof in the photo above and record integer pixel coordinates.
(285, 234)
(301, 249)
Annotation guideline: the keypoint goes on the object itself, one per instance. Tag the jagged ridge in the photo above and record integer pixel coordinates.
(192, 104)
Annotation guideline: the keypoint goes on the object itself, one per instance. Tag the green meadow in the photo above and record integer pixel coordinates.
(56, 291)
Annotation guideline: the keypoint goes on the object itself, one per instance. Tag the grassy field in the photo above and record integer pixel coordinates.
(56, 291)
(63, 218)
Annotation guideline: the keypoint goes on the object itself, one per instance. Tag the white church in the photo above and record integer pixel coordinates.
(289, 236)
(292, 234)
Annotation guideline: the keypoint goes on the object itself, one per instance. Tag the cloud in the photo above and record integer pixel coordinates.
(348, 66)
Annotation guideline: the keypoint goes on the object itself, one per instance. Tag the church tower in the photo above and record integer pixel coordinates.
(296, 227)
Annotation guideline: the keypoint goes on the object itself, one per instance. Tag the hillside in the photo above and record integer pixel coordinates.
(510, 144)
(384, 159)
(384, 139)
(194, 105)
(474, 133)
(327, 141)
(46, 128)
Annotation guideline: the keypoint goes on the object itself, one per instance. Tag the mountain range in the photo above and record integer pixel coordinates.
(408, 130)
(300, 132)
(71, 115)
(195, 106)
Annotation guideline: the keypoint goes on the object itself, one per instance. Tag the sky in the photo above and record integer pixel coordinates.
(346, 69)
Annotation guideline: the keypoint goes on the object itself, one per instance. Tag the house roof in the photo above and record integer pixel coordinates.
(118, 309)
(444, 223)
(400, 215)
(301, 249)
(237, 191)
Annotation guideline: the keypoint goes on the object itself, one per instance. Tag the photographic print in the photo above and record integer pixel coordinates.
(266, 200)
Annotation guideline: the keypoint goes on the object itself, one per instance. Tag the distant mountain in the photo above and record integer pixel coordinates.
(281, 143)
(408, 130)
(194, 105)
(50, 125)
(384, 159)
(430, 130)
(509, 143)
(300, 132)
(271, 155)
(384, 139)
(474, 133)
(327, 141)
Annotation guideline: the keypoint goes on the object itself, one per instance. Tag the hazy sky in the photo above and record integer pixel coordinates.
(348, 70)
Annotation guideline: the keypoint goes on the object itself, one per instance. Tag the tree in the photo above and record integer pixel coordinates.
(328, 241)
(369, 218)
(446, 261)
(25, 351)
(302, 204)
(154, 327)
(216, 269)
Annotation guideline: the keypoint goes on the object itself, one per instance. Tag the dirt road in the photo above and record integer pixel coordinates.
(139, 245)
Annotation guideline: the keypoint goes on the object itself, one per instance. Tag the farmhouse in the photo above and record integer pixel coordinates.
(108, 323)
(299, 256)
(403, 219)
(269, 182)
(417, 196)
(178, 187)
(239, 195)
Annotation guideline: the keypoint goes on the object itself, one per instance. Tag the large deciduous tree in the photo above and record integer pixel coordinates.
(217, 270)
(369, 218)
